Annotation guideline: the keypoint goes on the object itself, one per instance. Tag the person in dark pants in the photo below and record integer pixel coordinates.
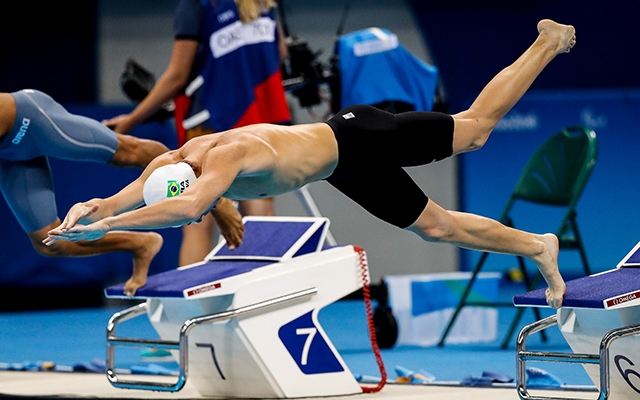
(224, 73)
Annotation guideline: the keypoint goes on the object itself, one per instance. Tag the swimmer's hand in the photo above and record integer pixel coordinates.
(120, 124)
(93, 231)
(230, 222)
(77, 213)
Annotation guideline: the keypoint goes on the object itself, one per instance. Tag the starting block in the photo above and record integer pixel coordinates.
(244, 323)
(600, 320)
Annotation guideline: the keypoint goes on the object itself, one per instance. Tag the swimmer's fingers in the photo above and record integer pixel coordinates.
(234, 237)
(76, 213)
(82, 232)
(232, 229)
(55, 235)
(48, 241)
(109, 123)
(54, 238)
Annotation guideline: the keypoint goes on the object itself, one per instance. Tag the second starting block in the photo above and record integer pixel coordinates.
(244, 323)
(600, 320)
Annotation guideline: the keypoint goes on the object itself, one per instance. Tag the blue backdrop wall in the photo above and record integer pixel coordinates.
(608, 212)
(470, 41)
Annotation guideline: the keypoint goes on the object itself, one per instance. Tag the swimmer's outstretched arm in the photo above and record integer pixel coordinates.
(95, 210)
(170, 212)
(129, 198)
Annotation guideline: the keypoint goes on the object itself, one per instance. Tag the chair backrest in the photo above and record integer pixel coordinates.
(558, 171)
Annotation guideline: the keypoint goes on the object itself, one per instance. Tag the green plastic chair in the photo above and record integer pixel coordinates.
(555, 176)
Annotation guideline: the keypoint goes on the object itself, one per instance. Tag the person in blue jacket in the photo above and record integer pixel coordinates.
(224, 73)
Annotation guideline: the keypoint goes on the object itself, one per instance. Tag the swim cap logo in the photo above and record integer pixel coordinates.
(22, 131)
(175, 188)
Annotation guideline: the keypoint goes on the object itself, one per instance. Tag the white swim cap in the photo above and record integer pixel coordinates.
(167, 181)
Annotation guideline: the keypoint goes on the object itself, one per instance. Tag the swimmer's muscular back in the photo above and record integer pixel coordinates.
(269, 159)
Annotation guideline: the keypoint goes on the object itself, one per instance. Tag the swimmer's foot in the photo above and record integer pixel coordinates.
(547, 262)
(150, 246)
(563, 36)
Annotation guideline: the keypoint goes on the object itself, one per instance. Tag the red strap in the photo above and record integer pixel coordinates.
(372, 329)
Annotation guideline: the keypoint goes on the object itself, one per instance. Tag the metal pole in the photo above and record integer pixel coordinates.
(313, 210)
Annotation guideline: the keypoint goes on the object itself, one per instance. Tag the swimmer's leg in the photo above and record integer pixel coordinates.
(133, 151)
(474, 232)
(260, 207)
(7, 113)
(473, 126)
(142, 246)
(55, 132)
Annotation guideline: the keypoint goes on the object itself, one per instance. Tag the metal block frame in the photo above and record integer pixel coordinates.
(602, 358)
(182, 344)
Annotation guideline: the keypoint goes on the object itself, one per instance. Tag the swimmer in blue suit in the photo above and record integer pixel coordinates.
(34, 127)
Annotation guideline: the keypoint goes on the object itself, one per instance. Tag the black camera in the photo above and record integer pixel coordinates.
(136, 82)
(303, 72)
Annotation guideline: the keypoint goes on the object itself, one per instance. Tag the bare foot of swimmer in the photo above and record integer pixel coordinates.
(563, 35)
(142, 260)
(547, 262)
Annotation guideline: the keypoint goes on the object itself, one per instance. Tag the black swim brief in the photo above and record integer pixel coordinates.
(373, 148)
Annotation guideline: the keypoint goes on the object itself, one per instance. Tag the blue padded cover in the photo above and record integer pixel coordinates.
(172, 283)
(268, 239)
(588, 291)
(634, 258)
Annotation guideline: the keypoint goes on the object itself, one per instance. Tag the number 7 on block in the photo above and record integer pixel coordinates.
(310, 332)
